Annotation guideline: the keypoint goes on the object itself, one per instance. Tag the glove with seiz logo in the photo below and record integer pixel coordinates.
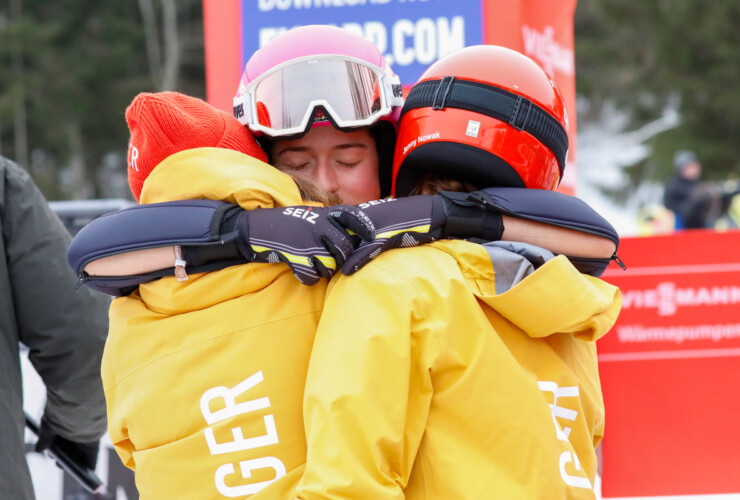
(313, 241)
(416, 220)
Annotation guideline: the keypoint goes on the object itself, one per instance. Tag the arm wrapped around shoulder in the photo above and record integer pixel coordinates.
(312, 241)
(188, 222)
(558, 222)
(561, 223)
(548, 207)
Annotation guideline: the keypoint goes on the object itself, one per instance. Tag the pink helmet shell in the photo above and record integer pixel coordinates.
(311, 40)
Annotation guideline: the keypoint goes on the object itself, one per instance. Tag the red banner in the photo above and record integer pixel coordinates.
(670, 368)
(222, 33)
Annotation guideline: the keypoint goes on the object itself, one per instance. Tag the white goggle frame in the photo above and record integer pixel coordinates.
(245, 105)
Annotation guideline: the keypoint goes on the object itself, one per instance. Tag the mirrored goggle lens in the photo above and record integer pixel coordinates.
(284, 98)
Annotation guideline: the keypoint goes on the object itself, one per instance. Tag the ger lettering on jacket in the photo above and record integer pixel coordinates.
(225, 399)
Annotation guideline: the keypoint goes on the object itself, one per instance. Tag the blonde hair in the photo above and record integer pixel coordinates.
(311, 189)
(432, 184)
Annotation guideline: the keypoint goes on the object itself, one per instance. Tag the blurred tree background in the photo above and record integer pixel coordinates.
(643, 57)
(69, 69)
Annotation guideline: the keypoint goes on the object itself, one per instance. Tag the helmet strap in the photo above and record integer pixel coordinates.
(516, 110)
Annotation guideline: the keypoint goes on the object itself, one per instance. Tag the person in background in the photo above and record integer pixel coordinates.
(711, 206)
(679, 191)
(655, 219)
(730, 209)
(64, 331)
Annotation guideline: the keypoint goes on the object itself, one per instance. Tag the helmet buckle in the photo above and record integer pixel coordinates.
(522, 107)
(444, 87)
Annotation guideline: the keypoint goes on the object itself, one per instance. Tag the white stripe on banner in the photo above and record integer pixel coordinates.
(665, 270)
(689, 354)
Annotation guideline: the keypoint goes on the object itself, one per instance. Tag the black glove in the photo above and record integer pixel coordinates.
(313, 241)
(415, 220)
(84, 454)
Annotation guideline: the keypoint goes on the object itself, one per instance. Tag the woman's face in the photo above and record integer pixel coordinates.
(345, 163)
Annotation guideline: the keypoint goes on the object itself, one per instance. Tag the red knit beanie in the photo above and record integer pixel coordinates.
(165, 123)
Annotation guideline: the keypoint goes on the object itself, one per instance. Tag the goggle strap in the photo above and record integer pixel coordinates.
(519, 112)
(393, 90)
(243, 109)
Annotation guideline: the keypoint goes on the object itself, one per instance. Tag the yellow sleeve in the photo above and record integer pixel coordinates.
(117, 424)
(118, 432)
(367, 392)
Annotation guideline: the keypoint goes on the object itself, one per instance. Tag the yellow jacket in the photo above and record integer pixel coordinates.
(204, 378)
(429, 380)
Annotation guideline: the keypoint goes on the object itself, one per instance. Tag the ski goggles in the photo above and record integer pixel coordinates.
(350, 92)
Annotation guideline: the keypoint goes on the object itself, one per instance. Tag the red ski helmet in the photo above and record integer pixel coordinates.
(486, 115)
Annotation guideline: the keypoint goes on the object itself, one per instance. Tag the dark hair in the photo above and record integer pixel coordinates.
(432, 184)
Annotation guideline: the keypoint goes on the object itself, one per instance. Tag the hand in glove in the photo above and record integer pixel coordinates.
(421, 219)
(83, 454)
(415, 220)
(313, 241)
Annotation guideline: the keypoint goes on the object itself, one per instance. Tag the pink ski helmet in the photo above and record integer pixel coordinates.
(320, 75)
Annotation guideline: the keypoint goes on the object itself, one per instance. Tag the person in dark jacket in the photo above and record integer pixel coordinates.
(679, 191)
(64, 331)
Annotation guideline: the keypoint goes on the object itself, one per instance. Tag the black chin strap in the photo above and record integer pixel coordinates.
(517, 111)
